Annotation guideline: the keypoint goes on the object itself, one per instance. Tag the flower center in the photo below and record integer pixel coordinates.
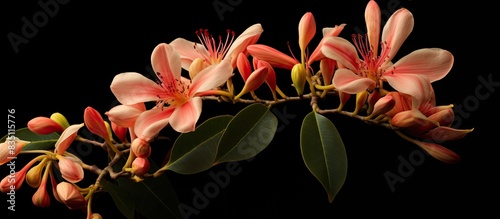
(371, 63)
(216, 49)
(176, 91)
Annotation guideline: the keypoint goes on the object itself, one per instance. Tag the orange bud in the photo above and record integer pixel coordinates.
(344, 97)
(243, 66)
(307, 29)
(439, 152)
(41, 197)
(94, 122)
(327, 67)
(254, 81)
(70, 196)
(140, 166)
(120, 132)
(14, 180)
(383, 105)
(140, 148)
(44, 125)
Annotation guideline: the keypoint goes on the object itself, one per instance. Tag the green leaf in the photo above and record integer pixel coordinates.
(247, 134)
(195, 151)
(37, 141)
(124, 202)
(153, 197)
(323, 152)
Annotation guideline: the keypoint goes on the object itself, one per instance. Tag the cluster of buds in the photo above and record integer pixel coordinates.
(38, 171)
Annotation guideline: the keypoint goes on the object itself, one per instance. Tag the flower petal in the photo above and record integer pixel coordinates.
(184, 118)
(95, 123)
(67, 138)
(417, 86)
(211, 77)
(125, 115)
(271, 55)
(338, 48)
(445, 133)
(439, 152)
(327, 31)
(396, 30)
(372, 19)
(434, 63)
(130, 88)
(151, 122)
(166, 62)
(346, 81)
(187, 53)
(250, 36)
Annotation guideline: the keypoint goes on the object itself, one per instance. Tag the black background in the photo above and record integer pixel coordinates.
(71, 60)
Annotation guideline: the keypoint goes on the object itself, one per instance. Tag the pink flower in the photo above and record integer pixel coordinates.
(178, 99)
(300, 69)
(212, 51)
(412, 74)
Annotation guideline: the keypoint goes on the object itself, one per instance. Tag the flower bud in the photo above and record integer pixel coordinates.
(413, 121)
(60, 119)
(299, 78)
(11, 148)
(343, 97)
(361, 98)
(307, 29)
(94, 123)
(96, 216)
(196, 66)
(34, 175)
(120, 132)
(41, 197)
(44, 125)
(13, 181)
(70, 170)
(70, 196)
(140, 148)
(373, 97)
(444, 116)
(140, 166)
(327, 67)
(243, 66)
(382, 106)
(253, 81)
(439, 152)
